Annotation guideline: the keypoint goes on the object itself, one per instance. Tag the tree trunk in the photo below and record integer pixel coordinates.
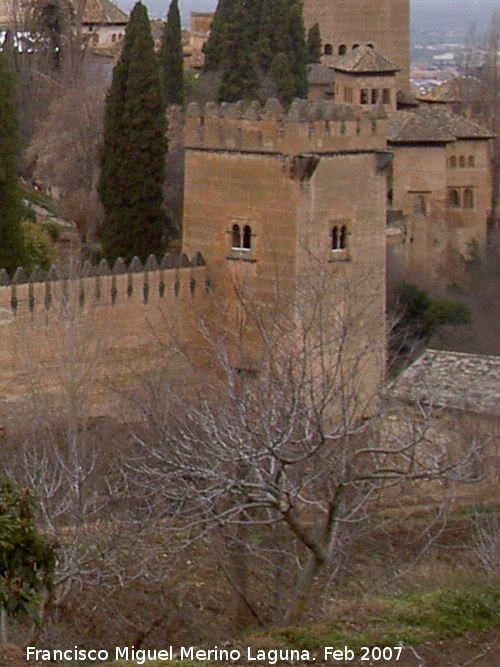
(3, 627)
(302, 591)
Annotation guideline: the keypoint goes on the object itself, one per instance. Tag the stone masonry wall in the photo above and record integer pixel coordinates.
(105, 330)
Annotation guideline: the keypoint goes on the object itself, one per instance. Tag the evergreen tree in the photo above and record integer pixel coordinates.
(133, 150)
(298, 49)
(274, 36)
(314, 44)
(283, 78)
(171, 57)
(239, 76)
(12, 248)
(214, 46)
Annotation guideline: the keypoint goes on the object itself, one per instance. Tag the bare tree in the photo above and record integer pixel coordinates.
(288, 444)
(63, 154)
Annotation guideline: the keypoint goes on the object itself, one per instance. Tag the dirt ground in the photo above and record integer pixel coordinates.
(475, 649)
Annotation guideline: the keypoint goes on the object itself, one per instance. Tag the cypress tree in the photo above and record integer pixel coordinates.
(172, 58)
(239, 77)
(133, 149)
(12, 247)
(298, 49)
(283, 78)
(214, 46)
(314, 44)
(274, 36)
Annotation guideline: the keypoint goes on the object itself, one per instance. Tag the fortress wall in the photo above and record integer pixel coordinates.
(105, 332)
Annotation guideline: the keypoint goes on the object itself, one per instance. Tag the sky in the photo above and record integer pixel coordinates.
(466, 10)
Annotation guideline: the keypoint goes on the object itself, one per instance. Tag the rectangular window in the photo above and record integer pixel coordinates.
(348, 95)
(363, 97)
(386, 96)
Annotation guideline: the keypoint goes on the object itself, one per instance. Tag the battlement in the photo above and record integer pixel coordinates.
(89, 286)
(308, 127)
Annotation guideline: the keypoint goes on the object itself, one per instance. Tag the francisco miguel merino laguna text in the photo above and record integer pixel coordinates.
(140, 656)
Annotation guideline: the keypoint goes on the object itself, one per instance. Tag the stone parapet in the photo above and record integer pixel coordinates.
(175, 276)
(308, 127)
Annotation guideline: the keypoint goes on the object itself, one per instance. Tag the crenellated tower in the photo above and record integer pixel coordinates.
(381, 24)
(269, 194)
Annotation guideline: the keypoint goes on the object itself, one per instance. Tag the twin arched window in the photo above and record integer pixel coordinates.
(242, 238)
(339, 237)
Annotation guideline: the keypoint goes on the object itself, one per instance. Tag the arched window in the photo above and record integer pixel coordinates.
(120, 35)
(328, 51)
(461, 161)
(339, 237)
(453, 162)
(355, 46)
(247, 237)
(468, 198)
(342, 50)
(370, 46)
(335, 238)
(343, 237)
(236, 243)
(453, 198)
(471, 162)
(113, 38)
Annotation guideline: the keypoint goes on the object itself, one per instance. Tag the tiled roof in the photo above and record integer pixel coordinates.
(455, 91)
(102, 11)
(452, 380)
(320, 75)
(364, 60)
(432, 125)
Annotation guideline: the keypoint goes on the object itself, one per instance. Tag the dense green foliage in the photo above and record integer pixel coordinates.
(239, 76)
(12, 249)
(132, 157)
(314, 44)
(27, 558)
(417, 317)
(254, 41)
(39, 245)
(171, 57)
(420, 315)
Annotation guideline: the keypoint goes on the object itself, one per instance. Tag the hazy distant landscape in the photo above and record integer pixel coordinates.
(443, 15)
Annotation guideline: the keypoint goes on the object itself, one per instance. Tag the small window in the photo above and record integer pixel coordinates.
(468, 198)
(328, 51)
(355, 46)
(461, 161)
(453, 162)
(471, 162)
(236, 243)
(339, 237)
(342, 50)
(247, 237)
(453, 198)
(370, 46)
(374, 96)
(363, 97)
(113, 38)
(386, 96)
(348, 95)
(420, 206)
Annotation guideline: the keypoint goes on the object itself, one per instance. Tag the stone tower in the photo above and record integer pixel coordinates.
(266, 191)
(383, 24)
